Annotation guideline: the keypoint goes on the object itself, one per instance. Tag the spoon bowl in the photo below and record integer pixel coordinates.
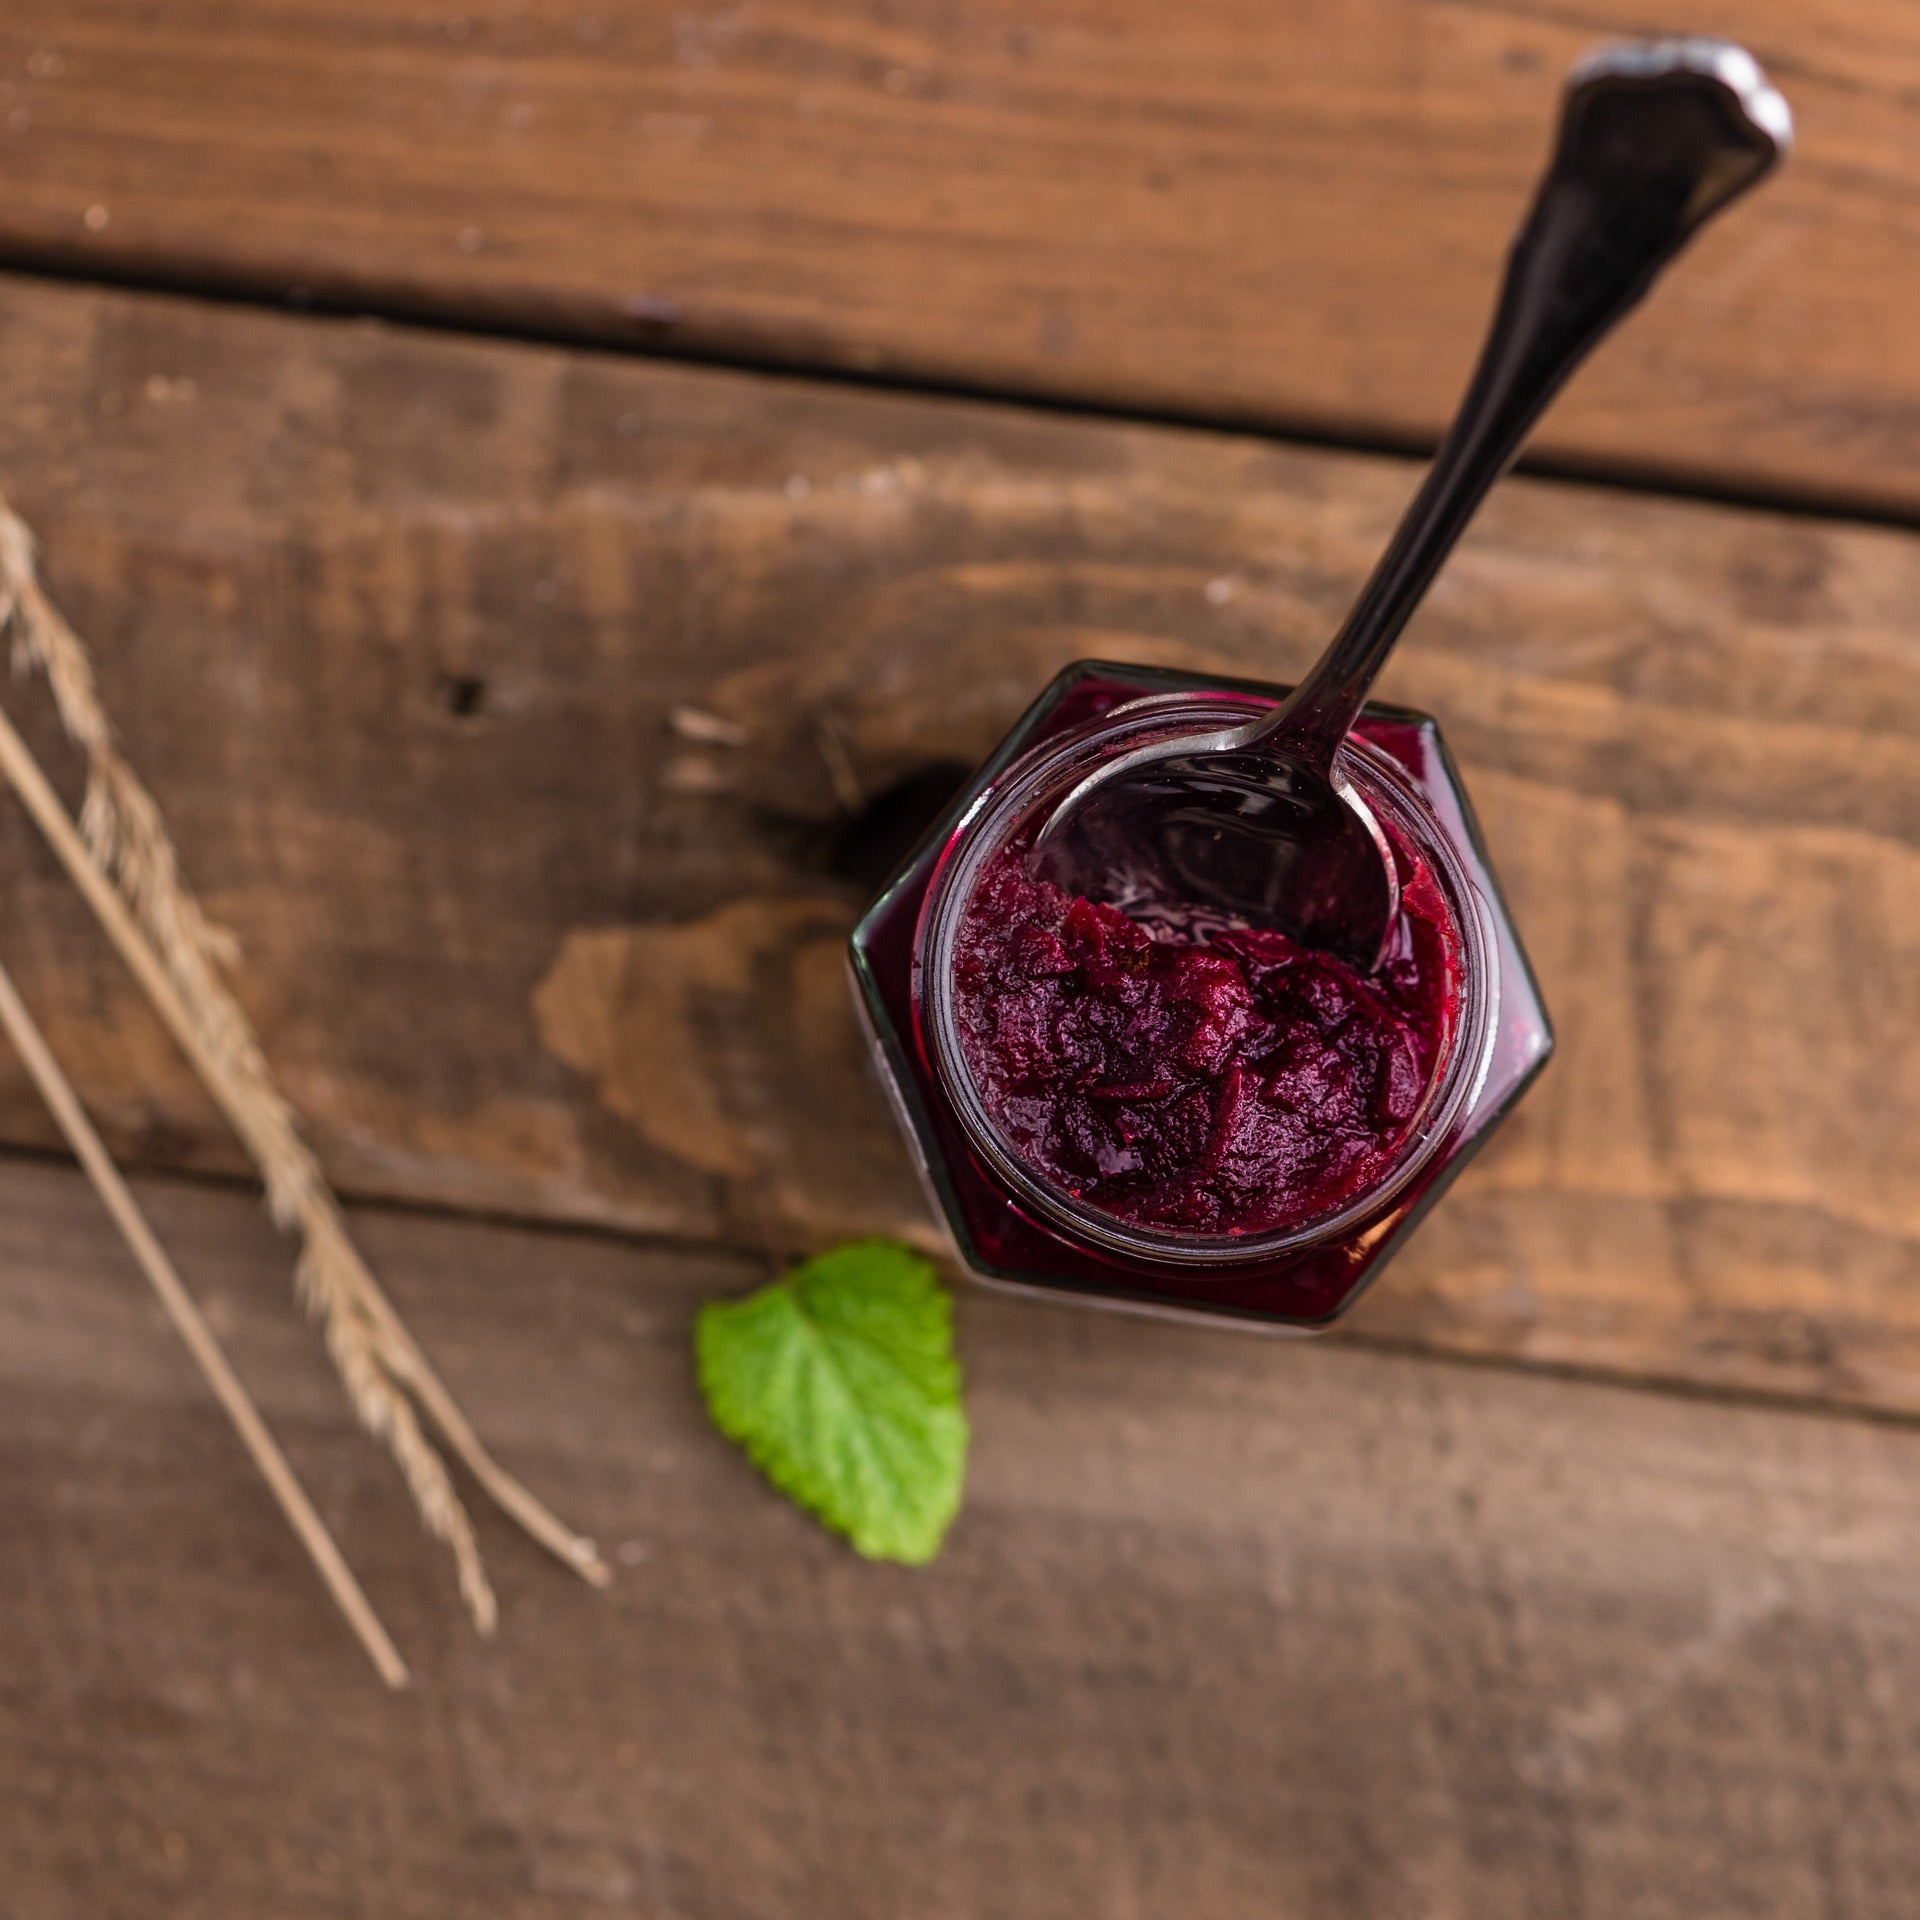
(1217, 830)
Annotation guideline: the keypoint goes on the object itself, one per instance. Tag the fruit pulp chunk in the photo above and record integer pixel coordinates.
(1242, 1086)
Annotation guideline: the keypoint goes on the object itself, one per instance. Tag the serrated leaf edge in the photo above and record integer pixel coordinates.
(919, 1542)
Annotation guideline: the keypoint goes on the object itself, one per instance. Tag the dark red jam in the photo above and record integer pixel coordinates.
(1242, 1086)
(1000, 1230)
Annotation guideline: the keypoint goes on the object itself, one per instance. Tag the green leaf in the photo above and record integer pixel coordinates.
(840, 1382)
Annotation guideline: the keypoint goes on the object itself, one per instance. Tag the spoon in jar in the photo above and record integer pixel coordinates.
(1257, 825)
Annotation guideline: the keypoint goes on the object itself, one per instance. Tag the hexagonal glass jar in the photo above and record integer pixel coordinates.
(1008, 1225)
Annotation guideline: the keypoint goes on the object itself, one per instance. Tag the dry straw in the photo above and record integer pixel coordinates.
(122, 860)
(198, 1337)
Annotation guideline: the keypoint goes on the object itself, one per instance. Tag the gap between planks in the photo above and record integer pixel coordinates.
(423, 313)
(755, 1271)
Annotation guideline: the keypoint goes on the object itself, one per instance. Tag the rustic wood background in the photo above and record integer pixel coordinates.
(1434, 1640)
(1289, 215)
(404, 625)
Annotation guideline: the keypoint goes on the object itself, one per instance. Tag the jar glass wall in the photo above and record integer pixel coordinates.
(1011, 1222)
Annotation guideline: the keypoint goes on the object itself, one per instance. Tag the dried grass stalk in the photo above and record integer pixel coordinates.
(191, 1325)
(124, 861)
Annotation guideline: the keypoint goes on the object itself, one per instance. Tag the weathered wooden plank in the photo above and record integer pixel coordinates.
(1227, 1627)
(396, 625)
(1283, 215)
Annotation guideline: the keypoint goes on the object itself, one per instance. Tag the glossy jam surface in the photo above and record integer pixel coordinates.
(1246, 1085)
(996, 1231)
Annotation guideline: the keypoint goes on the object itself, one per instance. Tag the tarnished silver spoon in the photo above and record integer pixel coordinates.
(1257, 825)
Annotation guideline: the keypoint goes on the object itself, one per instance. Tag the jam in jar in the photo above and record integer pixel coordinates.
(1215, 1121)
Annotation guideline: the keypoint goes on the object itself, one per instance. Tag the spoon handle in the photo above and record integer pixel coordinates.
(1655, 138)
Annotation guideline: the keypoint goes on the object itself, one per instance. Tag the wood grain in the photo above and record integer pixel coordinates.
(398, 627)
(1286, 216)
(1227, 1627)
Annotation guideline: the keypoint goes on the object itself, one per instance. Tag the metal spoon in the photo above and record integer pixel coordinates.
(1257, 825)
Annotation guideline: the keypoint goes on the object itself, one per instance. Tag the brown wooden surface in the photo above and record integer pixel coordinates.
(433, 648)
(397, 624)
(1290, 215)
(1228, 1627)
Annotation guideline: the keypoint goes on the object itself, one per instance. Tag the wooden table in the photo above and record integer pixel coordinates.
(421, 411)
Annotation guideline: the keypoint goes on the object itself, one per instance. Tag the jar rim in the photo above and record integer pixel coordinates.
(1046, 771)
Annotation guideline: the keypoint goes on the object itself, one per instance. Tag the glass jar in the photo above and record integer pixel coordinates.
(1010, 1223)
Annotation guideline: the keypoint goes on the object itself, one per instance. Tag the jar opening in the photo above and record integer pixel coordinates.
(1084, 1058)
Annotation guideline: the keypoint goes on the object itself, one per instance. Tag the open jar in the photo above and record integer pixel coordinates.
(1014, 1217)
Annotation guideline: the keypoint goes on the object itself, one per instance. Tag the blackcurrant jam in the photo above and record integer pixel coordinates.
(1236, 1085)
(1236, 1126)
